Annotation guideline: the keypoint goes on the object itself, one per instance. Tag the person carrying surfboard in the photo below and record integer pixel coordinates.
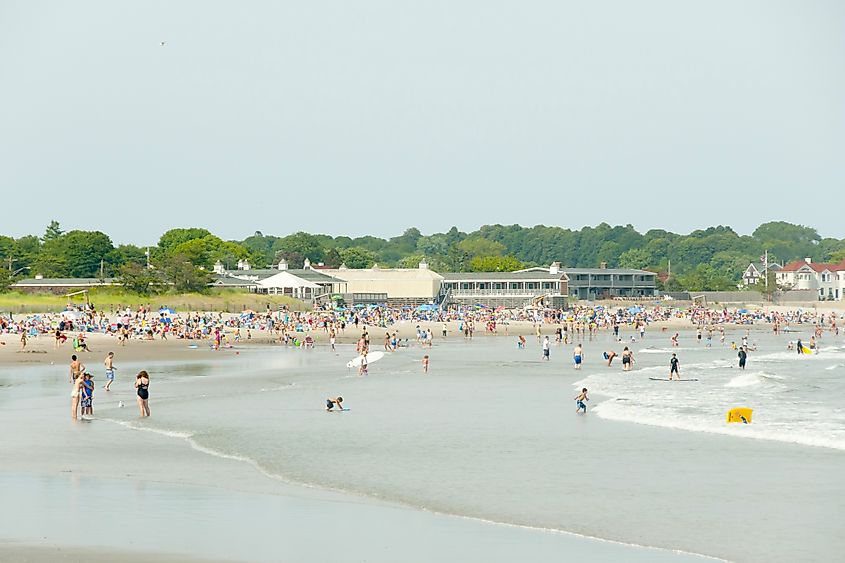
(674, 367)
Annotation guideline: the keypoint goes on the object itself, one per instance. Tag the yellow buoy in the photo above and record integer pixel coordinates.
(739, 414)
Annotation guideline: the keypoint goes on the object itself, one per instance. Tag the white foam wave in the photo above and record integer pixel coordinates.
(755, 378)
(624, 412)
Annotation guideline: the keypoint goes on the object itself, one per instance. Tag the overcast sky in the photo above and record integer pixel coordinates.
(368, 117)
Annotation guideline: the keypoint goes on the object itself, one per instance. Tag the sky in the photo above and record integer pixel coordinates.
(368, 117)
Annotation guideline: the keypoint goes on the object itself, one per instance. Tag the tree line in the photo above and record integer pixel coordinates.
(708, 259)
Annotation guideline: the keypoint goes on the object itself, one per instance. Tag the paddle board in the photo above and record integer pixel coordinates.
(371, 358)
(739, 414)
(667, 379)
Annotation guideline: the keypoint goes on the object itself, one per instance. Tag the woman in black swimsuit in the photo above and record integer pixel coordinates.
(142, 384)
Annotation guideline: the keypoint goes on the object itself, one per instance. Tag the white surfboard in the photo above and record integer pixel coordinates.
(371, 358)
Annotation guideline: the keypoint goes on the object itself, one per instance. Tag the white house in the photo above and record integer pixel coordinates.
(827, 279)
(756, 271)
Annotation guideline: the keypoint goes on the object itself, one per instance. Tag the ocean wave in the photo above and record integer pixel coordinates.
(753, 378)
(665, 418)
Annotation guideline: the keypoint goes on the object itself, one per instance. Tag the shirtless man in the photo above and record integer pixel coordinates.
(76, 368)
(109, 363)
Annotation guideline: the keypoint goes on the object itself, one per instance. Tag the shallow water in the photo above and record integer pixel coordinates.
(491, 433)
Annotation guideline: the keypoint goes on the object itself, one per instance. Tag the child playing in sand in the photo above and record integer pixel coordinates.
(580, 401)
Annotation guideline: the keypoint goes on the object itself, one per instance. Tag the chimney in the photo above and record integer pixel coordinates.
(808, 260)
(603, 266)
(307, 264)
(554, 269)
(423, 265)
(283, 264)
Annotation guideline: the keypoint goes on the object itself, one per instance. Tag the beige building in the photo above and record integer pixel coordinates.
(405, 285)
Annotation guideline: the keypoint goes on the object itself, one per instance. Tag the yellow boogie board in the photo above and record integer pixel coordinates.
(739, 414)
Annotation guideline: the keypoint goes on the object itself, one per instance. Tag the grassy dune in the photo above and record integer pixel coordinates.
(107, 299)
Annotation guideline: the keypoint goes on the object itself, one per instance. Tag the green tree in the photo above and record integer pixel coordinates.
(297, 247)
(494, 264)
(138, 279)
(180, 273)
(477, 246)
(636, 258)
(175, 237)
(53, 231)
(356, 257)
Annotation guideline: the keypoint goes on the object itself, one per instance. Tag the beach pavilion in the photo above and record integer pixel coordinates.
(286, 283)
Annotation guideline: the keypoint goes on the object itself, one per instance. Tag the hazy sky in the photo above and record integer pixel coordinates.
(368, 117)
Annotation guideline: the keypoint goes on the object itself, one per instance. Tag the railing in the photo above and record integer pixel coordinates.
(499, 292)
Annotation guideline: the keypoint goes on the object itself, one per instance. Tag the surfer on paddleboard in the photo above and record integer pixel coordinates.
(674, 367)
(332, 403)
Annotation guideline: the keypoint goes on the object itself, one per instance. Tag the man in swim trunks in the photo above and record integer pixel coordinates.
(609, 357)
(546, 348)
(109, 363)
(577, 356)
(332, 403)
(674, 367)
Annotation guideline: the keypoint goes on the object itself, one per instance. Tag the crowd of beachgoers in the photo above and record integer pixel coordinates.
(148, 323)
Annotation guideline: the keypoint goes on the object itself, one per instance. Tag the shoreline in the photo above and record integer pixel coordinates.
(228, 468)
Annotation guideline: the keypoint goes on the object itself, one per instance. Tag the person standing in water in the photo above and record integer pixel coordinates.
(546, 348)
(674, 367)
(743, 356)
(75, 394)
(627, 359)
(109, 363)
(578, 356)
(425, 362)
(142, 384)
(581, 401)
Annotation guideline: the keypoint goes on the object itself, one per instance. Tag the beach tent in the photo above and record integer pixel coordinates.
(166, 311)
(285, 283)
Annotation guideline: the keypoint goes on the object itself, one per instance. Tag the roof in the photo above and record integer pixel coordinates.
(264, 273)
(232, 282)
(65, 282)
(760, 267)
(617, 271)
(815, 266)
(386, 274)
(285, 279)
